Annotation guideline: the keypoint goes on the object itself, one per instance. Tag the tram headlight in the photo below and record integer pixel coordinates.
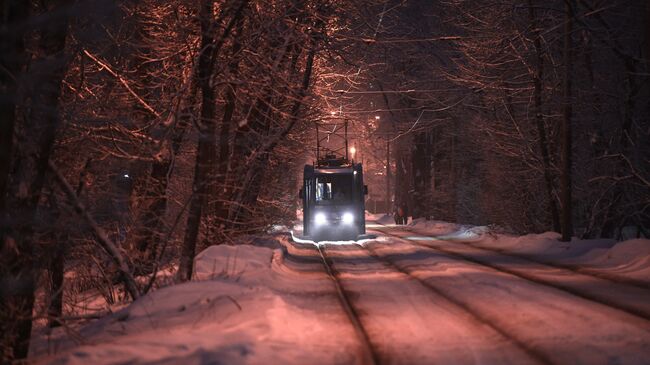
(348, 218)
(320, 219)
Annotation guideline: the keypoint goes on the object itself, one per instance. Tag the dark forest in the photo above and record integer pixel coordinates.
(136, 134)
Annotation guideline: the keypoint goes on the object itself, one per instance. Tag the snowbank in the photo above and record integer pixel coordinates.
(373, 216)
(386, 219)
(547, 245)
(630, 259)
(438, 228)
(241, 307)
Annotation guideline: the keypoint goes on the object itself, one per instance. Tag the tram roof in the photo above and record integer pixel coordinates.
(333, 170)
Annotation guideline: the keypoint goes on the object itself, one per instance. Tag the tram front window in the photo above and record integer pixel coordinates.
(333, 189)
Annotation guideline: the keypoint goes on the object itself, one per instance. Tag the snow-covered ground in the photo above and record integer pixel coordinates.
(629, 259)
(271, 302)
(562, 327)
(245, 305)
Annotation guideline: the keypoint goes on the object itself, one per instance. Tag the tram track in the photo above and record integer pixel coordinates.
(508, 331)
(533, 353)
(369, 353)
(573, 268)
(594, 293)
(540, 353)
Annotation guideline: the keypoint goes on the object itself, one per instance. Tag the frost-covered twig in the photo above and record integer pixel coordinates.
(105, 66)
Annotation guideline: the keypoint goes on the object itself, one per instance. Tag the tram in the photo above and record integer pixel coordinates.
(333, 193)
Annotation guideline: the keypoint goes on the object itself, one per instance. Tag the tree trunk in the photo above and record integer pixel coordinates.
(56, 269)
(151, 223)
(401, 187)
(388, 177)
(206, 144)
(453, 189)
(149, 226)
(224, 189)
(421, 171)
(566, 139)
(13, 15)
(57, 261)
(31, 156)
(206, 150)
(538, 80)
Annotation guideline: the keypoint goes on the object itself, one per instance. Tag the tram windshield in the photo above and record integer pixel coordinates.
(334, 189)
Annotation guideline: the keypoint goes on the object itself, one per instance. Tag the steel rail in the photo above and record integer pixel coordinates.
(597, 297)
(618, 279)
(532, 352)
(369, 355)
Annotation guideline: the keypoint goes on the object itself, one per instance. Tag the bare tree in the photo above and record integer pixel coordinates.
(211, 44)
(34, 136)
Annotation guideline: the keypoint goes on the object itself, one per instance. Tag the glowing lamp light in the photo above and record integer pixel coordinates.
(353, 150)
(348, 218)
(320, 219)
(377, 117)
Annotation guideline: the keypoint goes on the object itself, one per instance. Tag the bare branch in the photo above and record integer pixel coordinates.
(101, 235)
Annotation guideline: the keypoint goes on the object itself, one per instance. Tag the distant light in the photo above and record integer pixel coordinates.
(126, 176)
(377, 117)
(353, 150)
(333, 113)
(348, 218)
(355, 172)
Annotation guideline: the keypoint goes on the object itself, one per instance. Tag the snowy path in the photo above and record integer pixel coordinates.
(416, 299)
